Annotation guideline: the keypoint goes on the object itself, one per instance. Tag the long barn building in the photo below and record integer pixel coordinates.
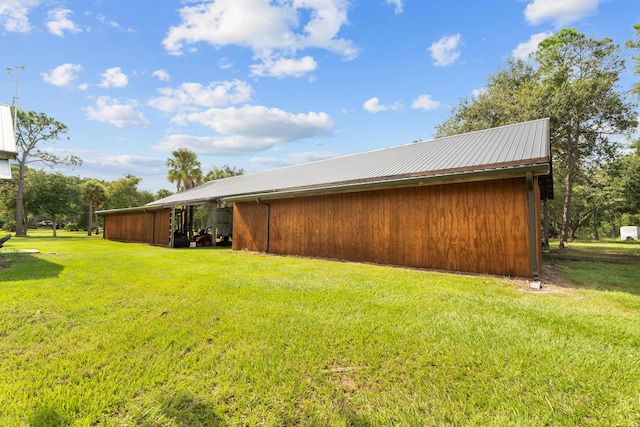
(468, 202)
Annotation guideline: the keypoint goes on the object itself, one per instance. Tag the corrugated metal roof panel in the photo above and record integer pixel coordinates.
(508, 146)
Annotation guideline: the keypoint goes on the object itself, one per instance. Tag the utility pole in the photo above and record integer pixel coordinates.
(15, 98)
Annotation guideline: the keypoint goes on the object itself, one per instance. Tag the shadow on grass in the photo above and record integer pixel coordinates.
(45, 416)
(17, 266)
(186, 410)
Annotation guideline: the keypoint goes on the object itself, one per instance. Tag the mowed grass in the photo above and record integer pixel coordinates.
(94, 332)
(608, 265)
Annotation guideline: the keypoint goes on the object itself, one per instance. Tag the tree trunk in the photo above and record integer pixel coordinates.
(566, 210)
(21, 230)
(572, 160)
(595, 225)
(55, 226)
(90, 225)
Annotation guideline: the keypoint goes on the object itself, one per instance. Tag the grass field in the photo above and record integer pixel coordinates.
(94, 332)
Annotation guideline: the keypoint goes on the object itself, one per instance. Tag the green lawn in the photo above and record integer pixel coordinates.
(94, 332)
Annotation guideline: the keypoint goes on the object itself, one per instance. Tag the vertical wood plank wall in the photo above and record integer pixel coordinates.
(144, 227)
(474, 227)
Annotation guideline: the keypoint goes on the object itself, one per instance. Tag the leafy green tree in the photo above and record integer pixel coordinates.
(124, 193)
(93, 195)
(184, 169)
(511, 96)
(8, 191)
(624, 174)
(635, 45)
(225, 171)
(573, 81)
(51, 194)
(33, 130)
(162, 193)
(579, 84)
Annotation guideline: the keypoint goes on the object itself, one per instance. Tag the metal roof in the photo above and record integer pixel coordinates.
(506, 148)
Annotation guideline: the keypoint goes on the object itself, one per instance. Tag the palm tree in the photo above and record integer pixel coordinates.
(93, 195)
(184, 169)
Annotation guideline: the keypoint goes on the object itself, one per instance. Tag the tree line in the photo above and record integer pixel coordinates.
(59, 200)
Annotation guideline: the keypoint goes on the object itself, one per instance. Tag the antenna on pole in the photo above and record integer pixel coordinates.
(15, 98)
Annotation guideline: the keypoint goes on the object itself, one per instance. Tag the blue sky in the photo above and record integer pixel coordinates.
(259, 84)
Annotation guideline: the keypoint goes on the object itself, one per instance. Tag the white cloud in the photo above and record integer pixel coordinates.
(109, 110)
(272, 30)
(445, 51)
(14, 15)
(124, 161)
(215, 145)
(295, 158)
(424, 102)
(561, 12)
(530, 46)
(103, 20)
(114, 77)
(58, 22)
(161, 75)
(283, 67)
(225, 63)
(372, 105)
(105, 166)
(191, 96)
(399, 7)
(261, 122)
(63, 75)
(246, 130)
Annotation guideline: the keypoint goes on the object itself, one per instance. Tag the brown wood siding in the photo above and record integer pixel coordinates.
(144, 227)
(249, 226)
(474, 227)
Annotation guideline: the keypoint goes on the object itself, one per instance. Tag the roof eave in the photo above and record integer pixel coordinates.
(125, 210)
(394, 182)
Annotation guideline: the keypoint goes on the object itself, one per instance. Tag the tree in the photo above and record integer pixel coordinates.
(511, 96)
(124, 193)
(624, 173)
(52, 194)
(635, 45)
(8, 191)
(93, 195)
(579, 87)
(225, 171)
(184, 169)
(34, 129)
(162, 193)
(574, 82)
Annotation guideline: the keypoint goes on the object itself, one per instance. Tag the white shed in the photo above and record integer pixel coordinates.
(629, 233)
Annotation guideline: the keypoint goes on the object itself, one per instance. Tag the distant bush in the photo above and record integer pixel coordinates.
(9, 226)
(72, 226)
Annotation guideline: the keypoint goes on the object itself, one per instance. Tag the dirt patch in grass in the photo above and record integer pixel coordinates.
(551, 275)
